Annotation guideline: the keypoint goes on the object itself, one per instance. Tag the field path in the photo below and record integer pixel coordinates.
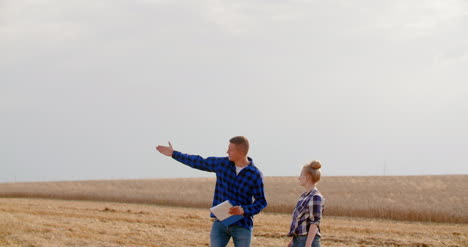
(44, 222)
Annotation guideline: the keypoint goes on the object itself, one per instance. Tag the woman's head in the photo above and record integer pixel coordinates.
(311, 172)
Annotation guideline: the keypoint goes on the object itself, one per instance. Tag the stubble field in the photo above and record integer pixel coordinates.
(360, 211)
(45, 222)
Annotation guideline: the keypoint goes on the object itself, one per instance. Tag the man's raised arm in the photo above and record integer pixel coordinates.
(194, 161)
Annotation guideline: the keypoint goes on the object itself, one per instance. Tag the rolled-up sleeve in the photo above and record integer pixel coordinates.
(316, 209)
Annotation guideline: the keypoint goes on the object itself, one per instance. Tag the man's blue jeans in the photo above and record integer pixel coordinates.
(220, 235)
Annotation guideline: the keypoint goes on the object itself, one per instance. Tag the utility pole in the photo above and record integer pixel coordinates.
(385, 168)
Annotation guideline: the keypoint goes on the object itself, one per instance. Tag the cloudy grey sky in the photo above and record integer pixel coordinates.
(89, 88)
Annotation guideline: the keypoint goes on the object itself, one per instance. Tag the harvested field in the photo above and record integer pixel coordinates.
(49, 223)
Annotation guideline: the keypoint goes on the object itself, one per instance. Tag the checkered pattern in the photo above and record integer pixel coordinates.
(240, 189)
(308, 211)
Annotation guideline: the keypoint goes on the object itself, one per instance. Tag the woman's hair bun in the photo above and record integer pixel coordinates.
(315, 164)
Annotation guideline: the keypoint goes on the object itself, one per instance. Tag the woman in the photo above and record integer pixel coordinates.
(305, 225)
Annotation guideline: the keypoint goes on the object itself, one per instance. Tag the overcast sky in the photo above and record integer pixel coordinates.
(89, 88)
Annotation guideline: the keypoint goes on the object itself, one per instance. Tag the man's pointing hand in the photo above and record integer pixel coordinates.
(166, 150)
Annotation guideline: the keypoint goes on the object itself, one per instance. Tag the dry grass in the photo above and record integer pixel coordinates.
(49, 223)
(416, 198)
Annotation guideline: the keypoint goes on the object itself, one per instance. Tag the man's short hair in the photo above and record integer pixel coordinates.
(241, 142)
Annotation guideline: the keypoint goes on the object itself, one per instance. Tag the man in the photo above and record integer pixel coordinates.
(237, 180)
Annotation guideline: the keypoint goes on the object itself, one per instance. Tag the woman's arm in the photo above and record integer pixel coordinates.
(311, 235)
(315, 211)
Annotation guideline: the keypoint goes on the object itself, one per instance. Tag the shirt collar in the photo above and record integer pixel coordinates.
(251, 165)
(312, 191)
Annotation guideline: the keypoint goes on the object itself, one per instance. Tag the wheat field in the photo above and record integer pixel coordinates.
(415, 198)
(54, 223)
(417, 211)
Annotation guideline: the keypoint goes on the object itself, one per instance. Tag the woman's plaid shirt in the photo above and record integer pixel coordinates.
(308, 211)
(239, 189)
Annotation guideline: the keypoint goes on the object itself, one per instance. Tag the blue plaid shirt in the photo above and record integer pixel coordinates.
(308, 211)
(240, 189)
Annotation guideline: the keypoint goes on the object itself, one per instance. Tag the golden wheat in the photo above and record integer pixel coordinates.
(418, 198)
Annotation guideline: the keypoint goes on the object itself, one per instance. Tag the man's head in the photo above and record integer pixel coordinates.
(238, 148)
